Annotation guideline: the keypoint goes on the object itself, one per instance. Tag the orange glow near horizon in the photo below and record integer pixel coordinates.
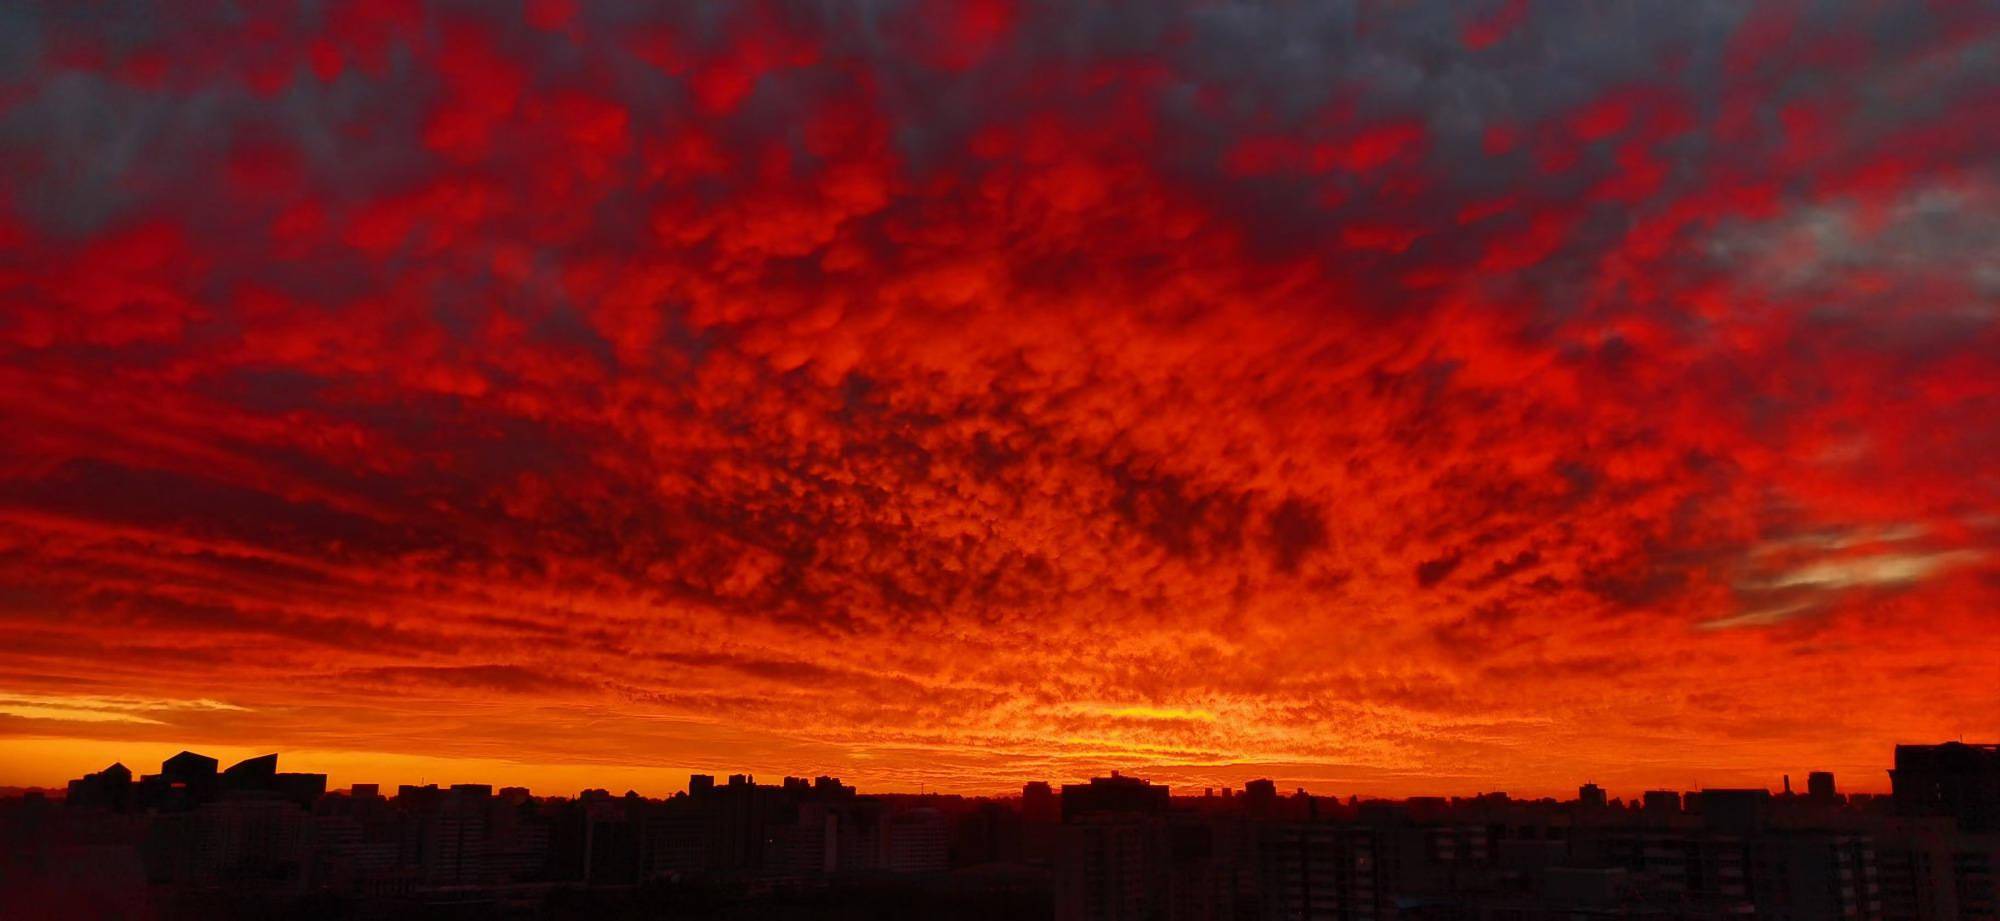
(965, 394)
(68, 758)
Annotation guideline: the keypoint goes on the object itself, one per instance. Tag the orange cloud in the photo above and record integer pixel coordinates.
(747, 390)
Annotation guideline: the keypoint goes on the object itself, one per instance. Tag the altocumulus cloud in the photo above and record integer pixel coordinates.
(963, 392)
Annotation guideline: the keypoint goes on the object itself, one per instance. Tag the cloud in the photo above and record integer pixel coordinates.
(954, 394)
(83, 708)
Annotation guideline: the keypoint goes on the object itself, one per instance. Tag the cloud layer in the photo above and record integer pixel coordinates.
(1386, 397)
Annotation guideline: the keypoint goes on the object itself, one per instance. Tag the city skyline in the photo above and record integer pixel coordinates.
(323, 784)
(199, 839)
(340, 782)
(262, 772)
(1389, 397)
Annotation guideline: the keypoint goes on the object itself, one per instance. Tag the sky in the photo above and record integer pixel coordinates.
(1384, 397)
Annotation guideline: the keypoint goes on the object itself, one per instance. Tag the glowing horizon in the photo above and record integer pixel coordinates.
(72, 758)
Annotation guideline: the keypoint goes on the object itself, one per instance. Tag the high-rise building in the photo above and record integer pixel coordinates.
(1110, 866)
(457, 837)
(1953, 779)
(1116, 794)
(1318, 872)
(918, 841)
(1260, 799)
(1917, 867)
(1041, 813)
(1039, 803)
(1814, 874)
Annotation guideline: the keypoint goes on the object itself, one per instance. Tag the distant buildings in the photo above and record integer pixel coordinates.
(110, 788)
(1114, 848)
(1661, 802)
(1114, 795)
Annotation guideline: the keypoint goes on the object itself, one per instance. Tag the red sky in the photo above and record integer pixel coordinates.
(1380, 397)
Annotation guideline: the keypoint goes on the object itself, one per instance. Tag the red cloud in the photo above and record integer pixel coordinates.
(741, 391)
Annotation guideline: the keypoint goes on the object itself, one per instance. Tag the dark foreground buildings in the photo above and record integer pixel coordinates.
(197, 841)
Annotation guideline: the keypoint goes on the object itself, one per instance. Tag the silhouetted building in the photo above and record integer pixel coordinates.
(1039, 803)
(1661, 802)
(1590, 796)
(1116, 794)
(1114, 848)
(188, 767)
(1917, 870)
(989, 832)
(1110, 865)
(1260, 799)
(1041, 815)
(1953, 779)
(1737, 811)
(1316, 871)
(110, 788)
(260, 776)
(185, 780)
(257, 773)
(918, 842)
